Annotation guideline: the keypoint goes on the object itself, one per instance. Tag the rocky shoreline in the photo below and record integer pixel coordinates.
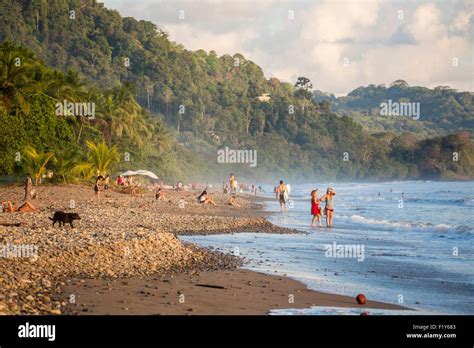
(121, 237)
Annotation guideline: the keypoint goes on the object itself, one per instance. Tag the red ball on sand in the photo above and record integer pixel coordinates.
(364, 314)
(361, 299)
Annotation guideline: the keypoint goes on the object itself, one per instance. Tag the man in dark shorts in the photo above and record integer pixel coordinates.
(282, 195)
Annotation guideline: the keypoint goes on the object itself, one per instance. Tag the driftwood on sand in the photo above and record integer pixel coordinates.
(10, 224)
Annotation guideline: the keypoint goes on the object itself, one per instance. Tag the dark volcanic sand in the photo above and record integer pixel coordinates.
(214, 292)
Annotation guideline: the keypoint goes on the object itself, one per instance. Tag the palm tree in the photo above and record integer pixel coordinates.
(67, 86)
(138, 128)
(36, 162)
(161, 137)
(121, 114)
(167, 97)
(67, 163)
(70, 87)
(21, 75)
(102, 157)
(83, 169)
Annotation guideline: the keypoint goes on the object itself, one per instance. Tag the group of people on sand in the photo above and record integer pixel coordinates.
(233, 187)
(283, 195)
(127, 181)
(205, 198)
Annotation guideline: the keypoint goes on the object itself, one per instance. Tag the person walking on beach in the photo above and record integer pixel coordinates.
(232, 183)
(282, 195)
(96, 188)
(315, 210)
(328, 198)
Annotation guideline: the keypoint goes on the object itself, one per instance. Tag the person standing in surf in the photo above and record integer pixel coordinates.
(315, 210)
(282, 195)
(328, 198)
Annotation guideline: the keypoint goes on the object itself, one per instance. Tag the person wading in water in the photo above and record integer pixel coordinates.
(282, 195)
(328, 198)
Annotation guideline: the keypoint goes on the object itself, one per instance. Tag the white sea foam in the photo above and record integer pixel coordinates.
(325, 310)
(409, 251)
(405, 225)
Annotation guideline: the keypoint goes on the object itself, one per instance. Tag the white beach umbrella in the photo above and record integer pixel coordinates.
(140, 172)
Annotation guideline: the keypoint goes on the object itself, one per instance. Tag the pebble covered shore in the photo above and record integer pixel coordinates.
(121, 237)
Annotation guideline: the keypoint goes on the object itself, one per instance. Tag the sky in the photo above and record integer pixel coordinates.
(338, 45)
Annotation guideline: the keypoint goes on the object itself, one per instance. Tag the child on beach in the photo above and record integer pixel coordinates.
(328, 198)
(315, 211)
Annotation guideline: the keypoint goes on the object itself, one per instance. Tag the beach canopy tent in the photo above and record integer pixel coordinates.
(140, 172)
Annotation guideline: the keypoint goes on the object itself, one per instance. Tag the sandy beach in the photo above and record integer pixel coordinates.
(124, 257)
(240, 292)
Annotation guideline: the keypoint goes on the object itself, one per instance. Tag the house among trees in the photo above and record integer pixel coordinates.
(264, 97)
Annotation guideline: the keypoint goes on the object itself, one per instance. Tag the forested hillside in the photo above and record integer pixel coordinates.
(443, 110)
(171, 109)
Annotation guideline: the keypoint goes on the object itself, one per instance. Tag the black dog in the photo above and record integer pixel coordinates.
(65, 218)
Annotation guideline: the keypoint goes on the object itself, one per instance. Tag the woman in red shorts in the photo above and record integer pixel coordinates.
(315, 211)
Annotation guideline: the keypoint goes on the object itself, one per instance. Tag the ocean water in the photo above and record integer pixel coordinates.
(417, 251)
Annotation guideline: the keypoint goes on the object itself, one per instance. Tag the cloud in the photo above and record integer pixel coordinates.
(381, 40)
(334, 21)
(426, 25)
(222, 42)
